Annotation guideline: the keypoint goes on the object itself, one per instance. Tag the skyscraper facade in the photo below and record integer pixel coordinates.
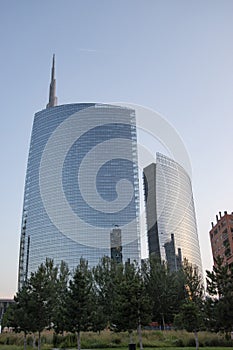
(171, 221)
(81, 181)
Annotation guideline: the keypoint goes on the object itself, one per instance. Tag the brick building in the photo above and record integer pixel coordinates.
(221, 237)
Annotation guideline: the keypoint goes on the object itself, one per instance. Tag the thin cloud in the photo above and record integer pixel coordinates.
(87, 50)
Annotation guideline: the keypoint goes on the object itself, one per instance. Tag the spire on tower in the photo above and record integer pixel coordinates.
(52, 89)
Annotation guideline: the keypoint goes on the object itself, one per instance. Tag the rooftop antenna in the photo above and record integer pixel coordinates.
(52, 89)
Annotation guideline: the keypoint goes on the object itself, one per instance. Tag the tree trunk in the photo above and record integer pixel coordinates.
(39, 341)
(130, 337)
(34, 341)
(140, 335)
(78, 340)
(25, 341)
(196, 339)
(163, 322)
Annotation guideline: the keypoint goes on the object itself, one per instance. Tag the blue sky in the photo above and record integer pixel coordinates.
(173, 56)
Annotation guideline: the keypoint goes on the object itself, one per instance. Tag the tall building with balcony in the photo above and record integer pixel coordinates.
(81, 180)
(221, 237)
(170, 214)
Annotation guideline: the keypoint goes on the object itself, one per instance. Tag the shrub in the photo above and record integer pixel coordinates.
(178, 342)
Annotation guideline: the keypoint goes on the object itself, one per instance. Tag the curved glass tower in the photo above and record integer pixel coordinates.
(81, 181)
(171, 220)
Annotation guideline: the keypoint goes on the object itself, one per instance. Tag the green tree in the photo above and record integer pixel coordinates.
(79, 302)
(162, 286)
(19, 315)
(39, 301)
(99, 319)
(105, 286)
(189, 318)
(193, 283)
(42, 296)
(59, 309)
(220, 289)
(131, 304)
(191, 313)
(211, 319)
(8, 318)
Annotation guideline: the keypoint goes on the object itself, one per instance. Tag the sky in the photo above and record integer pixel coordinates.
(172, 56)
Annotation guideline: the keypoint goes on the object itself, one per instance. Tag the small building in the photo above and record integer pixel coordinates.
(221, 237)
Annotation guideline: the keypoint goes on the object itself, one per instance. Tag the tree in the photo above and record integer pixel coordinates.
(99, 319)
(34, 303)
(220, 289)
(189, 318)
(211, 315)
(191, 313)
(131, 304)
(59, 309)
(8, 318)
(19, 314)
(105, 286)
(79, 305)
(193, 283)
(162, 288)
(41, 289)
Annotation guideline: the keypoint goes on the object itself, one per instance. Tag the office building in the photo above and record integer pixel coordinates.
(81, 180)
(116, 244)
(221, 238)
(170, 214)
(173, 258)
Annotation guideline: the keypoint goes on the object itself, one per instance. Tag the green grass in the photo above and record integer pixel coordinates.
(16, 347)
(152, 340)
(179, 348)
(183, 348)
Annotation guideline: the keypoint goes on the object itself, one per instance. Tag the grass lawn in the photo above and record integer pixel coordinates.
(107, 340)
(15, 347)
(176, 348)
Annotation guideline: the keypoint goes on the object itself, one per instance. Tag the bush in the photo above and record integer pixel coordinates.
(179, 343)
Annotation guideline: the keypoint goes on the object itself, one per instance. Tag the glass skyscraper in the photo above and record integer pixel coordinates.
(81, 182)
(171, 221)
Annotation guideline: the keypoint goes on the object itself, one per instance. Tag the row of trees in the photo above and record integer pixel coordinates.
(123, 297)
